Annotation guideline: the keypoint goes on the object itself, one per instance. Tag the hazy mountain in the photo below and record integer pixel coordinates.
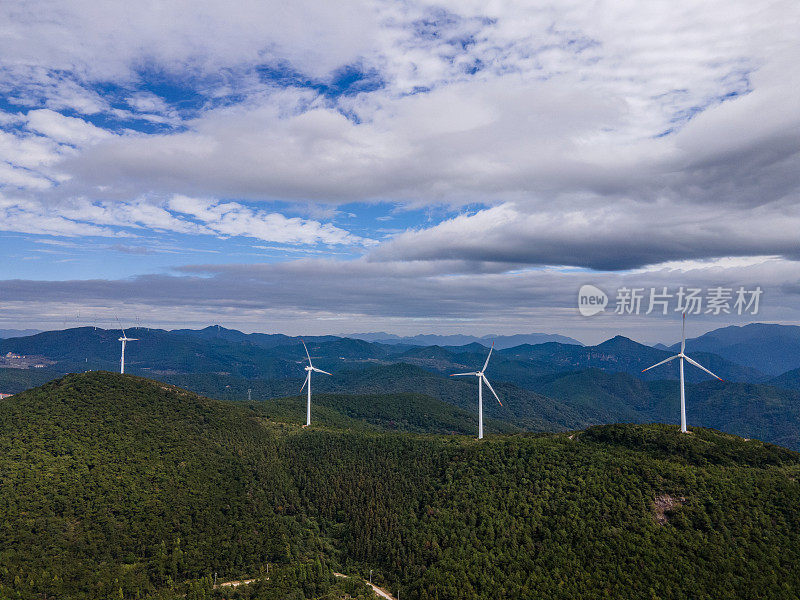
(264, 340)
(156, 350)
(500, 341)
(162, 352)
(624, 355)
(772, 349)
(789, 380)
(143, 490)
(9, 333)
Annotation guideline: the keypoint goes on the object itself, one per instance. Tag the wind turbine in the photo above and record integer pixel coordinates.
(683, 357)
(123, 339)
(309, 369)
(481, 380)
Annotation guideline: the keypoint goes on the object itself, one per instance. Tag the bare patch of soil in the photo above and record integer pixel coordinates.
(663, 504)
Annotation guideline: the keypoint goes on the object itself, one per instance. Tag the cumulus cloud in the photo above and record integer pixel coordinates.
(110, 41)
(63, 129)
(602, 237)
(31, 217)
(181, 215)
(231, 218)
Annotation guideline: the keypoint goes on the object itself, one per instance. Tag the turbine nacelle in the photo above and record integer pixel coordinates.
(309, 368)
(481, 380)
(682, 356)
(123, 339)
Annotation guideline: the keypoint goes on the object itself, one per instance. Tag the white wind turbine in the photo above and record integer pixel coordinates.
(123, 339)
(481, 380)
(309, 369)
(683, 357)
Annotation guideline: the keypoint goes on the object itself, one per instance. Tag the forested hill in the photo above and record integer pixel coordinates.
(121, 487)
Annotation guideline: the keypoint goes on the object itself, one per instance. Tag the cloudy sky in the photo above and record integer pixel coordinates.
(450, 167)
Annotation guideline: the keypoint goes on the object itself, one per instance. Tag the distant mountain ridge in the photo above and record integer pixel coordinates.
(622, 354)
(545, 387)
(500, 341)
(768, 347)
(10, 333)
(230, 352)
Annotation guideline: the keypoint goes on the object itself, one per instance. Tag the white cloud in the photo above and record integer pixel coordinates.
(181, 214)
(15, 177)
(111, 40)
(25, 216)
(233, 219)
(63, 129)
(603, 237)
(36, 85)
(147, 102)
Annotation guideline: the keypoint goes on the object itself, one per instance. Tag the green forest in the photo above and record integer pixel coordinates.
(122, 487)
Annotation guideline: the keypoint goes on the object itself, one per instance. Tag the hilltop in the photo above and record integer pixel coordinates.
(118, 486)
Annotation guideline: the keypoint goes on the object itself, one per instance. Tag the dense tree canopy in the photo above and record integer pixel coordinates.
(120, 487)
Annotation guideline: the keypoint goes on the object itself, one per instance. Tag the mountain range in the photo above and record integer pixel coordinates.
(500, 341)
(219, 350)
(544, 387)
(769, 348)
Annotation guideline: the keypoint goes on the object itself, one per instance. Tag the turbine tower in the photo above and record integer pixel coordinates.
(481, 380)
(124, 339)
(309, 369)
(683, 357)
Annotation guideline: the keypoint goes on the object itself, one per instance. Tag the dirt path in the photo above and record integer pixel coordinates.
(236, 583)
(380, 591)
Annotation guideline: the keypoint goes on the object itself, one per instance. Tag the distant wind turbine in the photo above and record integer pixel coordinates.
(683, 357)
(481, 380)
(309, 369)
(123, 339)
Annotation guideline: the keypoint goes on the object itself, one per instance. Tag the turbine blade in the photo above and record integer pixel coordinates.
(461, 374)
(120, 326)
(320, 371)
(666, 360)
(683, 334)
(306, 381)
(486, 364)
(699, 366)
(489, 385)
(307, 354)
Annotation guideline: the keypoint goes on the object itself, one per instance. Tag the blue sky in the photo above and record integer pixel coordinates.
(399, 166)
(140, 250)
